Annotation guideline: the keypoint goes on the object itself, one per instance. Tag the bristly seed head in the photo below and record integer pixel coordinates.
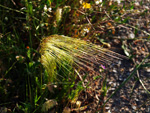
(61, 54)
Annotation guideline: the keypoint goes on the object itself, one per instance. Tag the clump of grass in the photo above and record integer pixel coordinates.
(60, 52)
(62, 56)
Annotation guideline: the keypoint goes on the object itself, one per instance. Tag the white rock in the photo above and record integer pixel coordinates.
(132, 36)
(147, 69)
(114, 70)
(134, 107)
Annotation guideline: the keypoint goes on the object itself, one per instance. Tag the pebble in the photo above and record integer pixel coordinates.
(124, 37)
(147, 70)
(107, 107)
(146, 7)
(134, 107)
(114, 70)
(118, 37)
(110, 82)
(118, 84)
(131, 35)
(120, 78)
(136, 99)
(114, 84)
(113, 89)
(109, 111)
(119, 63)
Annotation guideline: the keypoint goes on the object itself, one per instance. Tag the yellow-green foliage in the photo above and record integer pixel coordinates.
(63, 53)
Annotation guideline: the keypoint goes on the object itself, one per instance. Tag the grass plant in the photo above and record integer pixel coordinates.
(60, 52)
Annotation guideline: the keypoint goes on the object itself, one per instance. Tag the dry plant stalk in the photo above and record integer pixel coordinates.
(59, 52)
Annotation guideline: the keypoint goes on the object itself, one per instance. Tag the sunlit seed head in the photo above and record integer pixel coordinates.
(45, 8)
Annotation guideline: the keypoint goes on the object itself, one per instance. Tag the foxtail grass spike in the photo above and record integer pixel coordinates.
(61, 54)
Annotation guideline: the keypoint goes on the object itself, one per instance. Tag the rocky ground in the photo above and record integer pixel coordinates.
(132, 97)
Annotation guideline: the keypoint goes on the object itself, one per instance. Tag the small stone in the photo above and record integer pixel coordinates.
(119, 62)
(114, 70)
(114, 84)
(146, 7)
(110, 82)
(116, 41)
(137, 99)
(120, 78)
(147, 70)
(134, 107)
(118, 84)
(119, 37)
(112, 89)
(107, 107)
(132, 36)
(109, 111)
(123, 37)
